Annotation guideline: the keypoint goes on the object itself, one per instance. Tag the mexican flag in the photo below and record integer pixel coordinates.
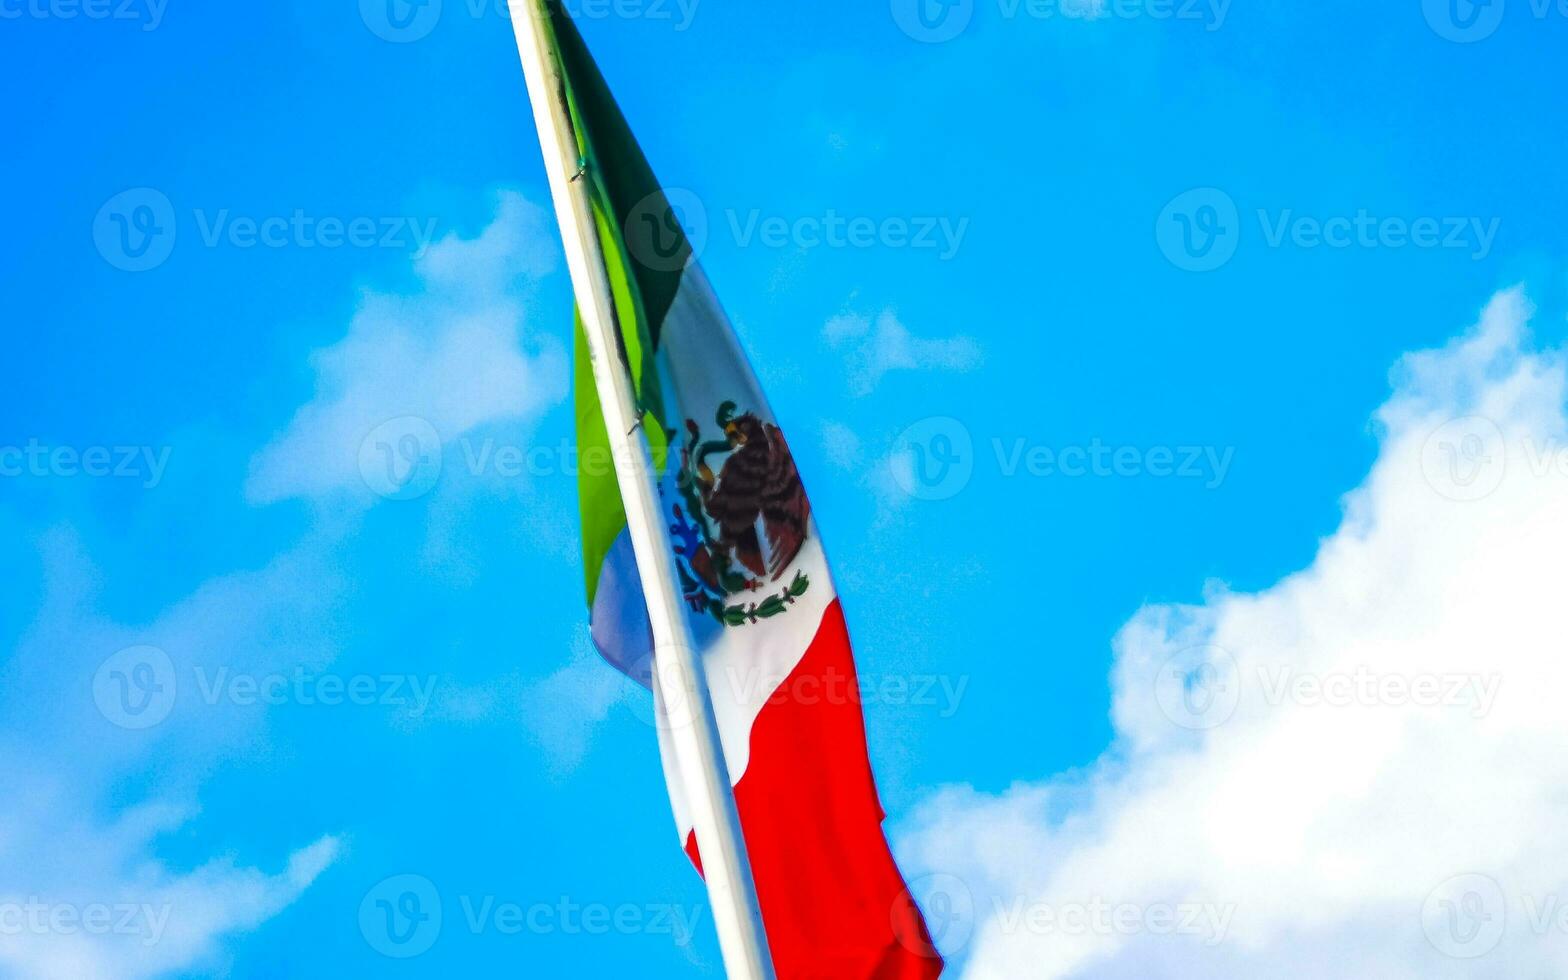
(759, 597)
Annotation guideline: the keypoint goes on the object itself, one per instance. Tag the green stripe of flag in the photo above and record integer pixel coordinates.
(624, 188)
(620, 170)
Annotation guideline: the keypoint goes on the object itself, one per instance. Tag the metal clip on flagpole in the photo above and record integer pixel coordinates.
(678, 673)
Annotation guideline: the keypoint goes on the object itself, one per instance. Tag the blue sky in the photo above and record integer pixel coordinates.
(1058, 306)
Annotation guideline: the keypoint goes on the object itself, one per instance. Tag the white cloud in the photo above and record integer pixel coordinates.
(455, 356)
(87, 799)
(842, 445)
(872, 349)
(1355, 772)
(884, 479)
(92, 788)
(150, 919)
(560, 713)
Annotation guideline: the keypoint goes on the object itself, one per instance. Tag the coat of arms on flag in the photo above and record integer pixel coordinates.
(739, 529)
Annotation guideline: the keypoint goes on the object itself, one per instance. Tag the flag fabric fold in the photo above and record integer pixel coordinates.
(761, 602)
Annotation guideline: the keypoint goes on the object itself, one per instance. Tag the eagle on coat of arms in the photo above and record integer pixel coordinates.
(742, 526)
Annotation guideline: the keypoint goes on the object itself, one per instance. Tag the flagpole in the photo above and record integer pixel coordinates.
(678, 675)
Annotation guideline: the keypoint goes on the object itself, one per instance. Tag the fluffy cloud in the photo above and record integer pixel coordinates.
(111, 912)
(885, 479)
(107, 729)
(560, 713)
(1355, 772)
(453, 357)
(842, 444)
(90, 786)
(872, 349)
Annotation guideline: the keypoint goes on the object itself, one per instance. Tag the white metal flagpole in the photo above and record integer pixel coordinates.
(679, 681)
